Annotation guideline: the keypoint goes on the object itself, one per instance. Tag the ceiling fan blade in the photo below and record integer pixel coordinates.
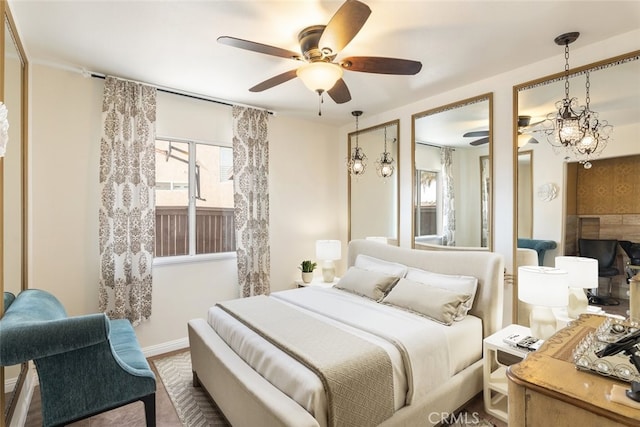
(525, 122)
(380, 65)
(259, 47)
(480, 141)
(476, 133)
(344, 25)
(274, 81)
(340, 92)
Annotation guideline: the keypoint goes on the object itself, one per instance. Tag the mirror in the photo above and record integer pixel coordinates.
(452, 180)
(13, 192)
(551, 214)
(525, 194)
(373, 200)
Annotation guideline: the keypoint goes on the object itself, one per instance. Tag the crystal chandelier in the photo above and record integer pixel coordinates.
(384, 165)
(596, 133)
(357, 162)
(563, 128)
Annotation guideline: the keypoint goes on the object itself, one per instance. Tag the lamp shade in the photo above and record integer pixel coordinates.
(582, 271)
(319, 76)
(543, 286)
(328, 250)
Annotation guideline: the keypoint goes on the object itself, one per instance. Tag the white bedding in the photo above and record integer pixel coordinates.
(437, 352)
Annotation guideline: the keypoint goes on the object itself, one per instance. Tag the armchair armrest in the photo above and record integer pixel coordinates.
(20, 342)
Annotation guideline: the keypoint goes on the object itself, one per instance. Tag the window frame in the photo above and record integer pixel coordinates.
(192, 256)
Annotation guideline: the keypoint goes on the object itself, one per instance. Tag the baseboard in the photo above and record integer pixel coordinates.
(19, 417)
(166, 347)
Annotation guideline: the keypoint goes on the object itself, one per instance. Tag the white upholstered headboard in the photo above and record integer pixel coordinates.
(487, 267)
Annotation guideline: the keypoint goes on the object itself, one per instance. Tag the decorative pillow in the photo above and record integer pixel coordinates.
(381, 266)
(438, 304)
(370, 284)
(460, 284)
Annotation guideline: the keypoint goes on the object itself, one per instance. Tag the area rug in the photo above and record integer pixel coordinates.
(193, 406)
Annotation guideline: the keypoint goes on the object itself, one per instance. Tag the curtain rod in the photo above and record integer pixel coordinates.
(178, 92)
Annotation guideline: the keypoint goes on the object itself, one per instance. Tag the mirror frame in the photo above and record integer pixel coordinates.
(395, 122)
(479, 98)
(8, 24)
(516, 89)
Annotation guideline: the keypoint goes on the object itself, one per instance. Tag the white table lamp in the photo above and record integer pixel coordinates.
(583, 274)
(543, 288)
(328, 251)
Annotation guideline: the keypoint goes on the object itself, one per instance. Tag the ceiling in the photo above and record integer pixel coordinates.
(172, 44)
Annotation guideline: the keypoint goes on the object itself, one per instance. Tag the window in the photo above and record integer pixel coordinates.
(426, 203)
(194, 198)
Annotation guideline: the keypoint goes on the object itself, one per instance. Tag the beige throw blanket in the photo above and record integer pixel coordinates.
(356, 374)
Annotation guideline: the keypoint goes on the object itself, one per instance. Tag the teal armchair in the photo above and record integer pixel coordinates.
(86, 364)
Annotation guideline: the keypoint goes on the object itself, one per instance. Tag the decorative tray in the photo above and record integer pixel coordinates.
(617, 366)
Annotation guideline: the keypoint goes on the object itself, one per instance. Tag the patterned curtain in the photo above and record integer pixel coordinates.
(127, 210)
(449, 198)
(251, 199)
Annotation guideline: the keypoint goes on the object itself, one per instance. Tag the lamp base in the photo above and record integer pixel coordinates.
(328, 271)
(542, 322)
(578, 302)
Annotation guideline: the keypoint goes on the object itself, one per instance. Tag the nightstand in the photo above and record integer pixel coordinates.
(495, 386)
(317, 281)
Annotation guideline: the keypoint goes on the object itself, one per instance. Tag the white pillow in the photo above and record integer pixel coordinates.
(370, 263)
(438, 304)
(370, 284)
(460, 284)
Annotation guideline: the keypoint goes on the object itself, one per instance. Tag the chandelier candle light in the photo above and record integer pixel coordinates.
(576, 128)
(566, 130)
(596, 132)
(357, 162)
(384, 165)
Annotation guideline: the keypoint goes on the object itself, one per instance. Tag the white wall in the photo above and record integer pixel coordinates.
(66, 117)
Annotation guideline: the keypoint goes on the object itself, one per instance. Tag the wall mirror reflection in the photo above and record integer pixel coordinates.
(373, 194)
(569, 201)
(13, 182)
(452, 175)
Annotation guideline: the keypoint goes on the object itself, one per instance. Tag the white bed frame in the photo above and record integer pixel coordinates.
(247, 399)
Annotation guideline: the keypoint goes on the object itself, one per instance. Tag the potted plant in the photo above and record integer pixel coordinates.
(307, 268)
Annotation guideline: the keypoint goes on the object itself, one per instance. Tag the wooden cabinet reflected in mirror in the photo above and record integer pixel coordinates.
(565, 216)
(373, 198)
(13, 184)
(452, 179)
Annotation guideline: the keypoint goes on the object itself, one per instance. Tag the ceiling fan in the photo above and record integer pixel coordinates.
(524, 123)
(319, 46)
(524, 134)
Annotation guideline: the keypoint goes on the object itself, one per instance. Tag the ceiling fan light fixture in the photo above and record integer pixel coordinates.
(319, 76)
(523, 140)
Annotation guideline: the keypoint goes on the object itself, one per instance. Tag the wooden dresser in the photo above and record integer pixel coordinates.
(546, 389)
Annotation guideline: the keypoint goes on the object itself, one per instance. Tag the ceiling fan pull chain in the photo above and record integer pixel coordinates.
(320, 102)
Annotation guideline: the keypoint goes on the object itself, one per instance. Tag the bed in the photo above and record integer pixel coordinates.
(429, 369)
